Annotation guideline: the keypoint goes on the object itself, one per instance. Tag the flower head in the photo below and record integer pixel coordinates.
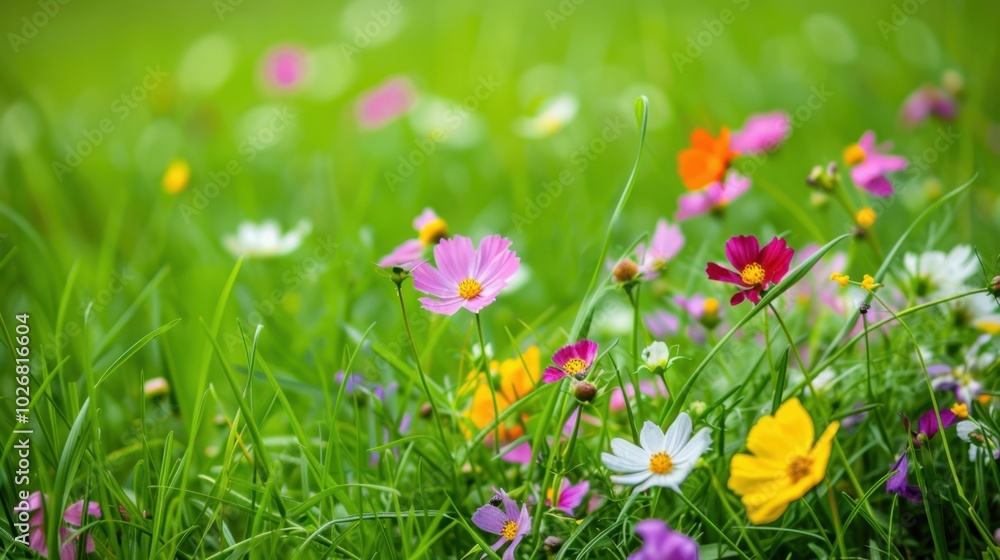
(936, 274)
(177, 176)
(786, 461)
(756, 268)
(982, 446)
(660, 542)
(841, 279)
(868, 282)
(656, 356)
(660, 459)
(430, 230)
(570, 495)
(762, 133)
(465, 277)
(707, 160)
(871, 163)
(516, 377)
(156, 387)
(383, 104)
(899, 483)
(666, 243)
(285, 67)
(713, 198)
(74, 516)
(571, 360)
(509, 523)
(928, 426)
(266, 239)
(928, 101)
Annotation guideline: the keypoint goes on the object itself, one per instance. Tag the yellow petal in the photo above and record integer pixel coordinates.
(789, 431)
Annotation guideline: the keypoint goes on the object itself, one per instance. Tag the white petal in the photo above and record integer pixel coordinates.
(651, 437)
(694, 448)
(629, 451)
(618, 464)
(964, 428)
(677, 435)
(631, 479)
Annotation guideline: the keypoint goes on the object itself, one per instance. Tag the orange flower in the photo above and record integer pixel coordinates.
(706, 161)
(514, 382)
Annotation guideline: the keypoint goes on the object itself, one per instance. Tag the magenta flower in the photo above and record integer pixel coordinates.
(899, 483)
(928, 427)
(926, 101)
(285, 67)
(465, 277)
(756, 268)
(570, 495)
(762, 133)
(572, 359)
(512, 525)
(383, 104)
(430, 230)
(713, 198)
(666, 243)
(73, 516)
(871, 163)
(659, 542)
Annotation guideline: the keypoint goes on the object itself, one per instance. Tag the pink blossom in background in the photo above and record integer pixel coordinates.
(379, 106)
(928, 101)
(655, 388)
(661, 324)
(713, 198)
(285, 67)
(871, 163)
(762, 133)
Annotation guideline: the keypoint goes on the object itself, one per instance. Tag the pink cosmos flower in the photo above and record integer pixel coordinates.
(871, 163)
(73, 516)
(762, 133)
(928, 101)
(757, 268)
(383, 104)
(666, 243)
(659, 542)
(509, 523)
(430, 230)
(655, 388)
(285, 67)
(570, 496)
(572, 359)
(713, 198)
(661, 324)
(465, 277)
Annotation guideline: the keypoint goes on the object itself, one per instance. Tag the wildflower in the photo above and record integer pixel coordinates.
(928, 426)
(265, 240)
(841, 279)
(285, 67)
(762, 133)
(994, 286)
(655, 388)
(383, 104)
(660, 324)
(572, 360)
(430, 230)
(73, 516)
(936, 274)
(703, 309)
(553, 115)
(626, 271)
(713, 198)
(899, 483)
(757, 268)
(707, 160)
(515, 378)
(981, 446)
(660, 459)
(928, 101)
(865, 218)
(870, 164)
(177, 176)
(465, 277)
(666, 243)
(570, 496)
(868, 283)
(660, 542)
(786, 461)
(963, 379)
(509, 523)
(156, 387)
(656, 356)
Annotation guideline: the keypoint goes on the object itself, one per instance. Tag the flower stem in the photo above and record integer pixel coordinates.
(484, 364)
(795, 348)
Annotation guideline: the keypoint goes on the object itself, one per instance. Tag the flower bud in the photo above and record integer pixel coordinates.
(552, 544)
(995, 286)
(625, 271)
(585, 391)
(426, 410)
(656, 356)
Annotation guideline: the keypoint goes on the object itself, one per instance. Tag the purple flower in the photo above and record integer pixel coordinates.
(351, 383)
(661, 324)
(465, 277)
(762, 133)
(928, 427)
(871, 163)
(512, 525)
(430, 230)
(73, 516)
(572, 359)
(659, 542)
(713, 198)
(667, 242)
(382, 105)
(926, 101)
(899, 483)
(285, 67)
(570, 495)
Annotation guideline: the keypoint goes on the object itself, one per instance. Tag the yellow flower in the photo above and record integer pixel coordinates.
(516, 379)
(865, 218)
(841, 279)
(176, 177)
(785, 464)
(868, 283)
(961, 410)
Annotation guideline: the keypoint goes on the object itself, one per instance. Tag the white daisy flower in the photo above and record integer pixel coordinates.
(936, 274)
(553, 115)
(980, 449)
(265, 240)
(660, 459)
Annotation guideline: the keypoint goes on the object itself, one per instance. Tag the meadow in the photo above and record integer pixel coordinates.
(569, 279)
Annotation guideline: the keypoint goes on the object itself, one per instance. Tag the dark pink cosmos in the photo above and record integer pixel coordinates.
(755, 269)
(572, 359)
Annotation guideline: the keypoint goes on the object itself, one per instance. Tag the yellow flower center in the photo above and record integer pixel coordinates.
(433, 231)
(865, 218)
(574, 365)
(961, 410)
(177, 176)
(509, 530)
(853, 154)
(711, 306)
(469, 288)
(660, 463)
(799, 467)
(752, 274)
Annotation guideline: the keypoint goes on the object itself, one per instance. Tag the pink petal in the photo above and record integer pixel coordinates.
(551, 374)
(692, 204)
(520, 454)
(404, 254)
(716, 272)
(385, 103)
(742, 250)
(738, 297)
(762, 133)
(425, 217)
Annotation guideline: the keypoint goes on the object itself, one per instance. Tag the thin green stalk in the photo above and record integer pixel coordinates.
(484, 364)
(722, 535)
(795, 348)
